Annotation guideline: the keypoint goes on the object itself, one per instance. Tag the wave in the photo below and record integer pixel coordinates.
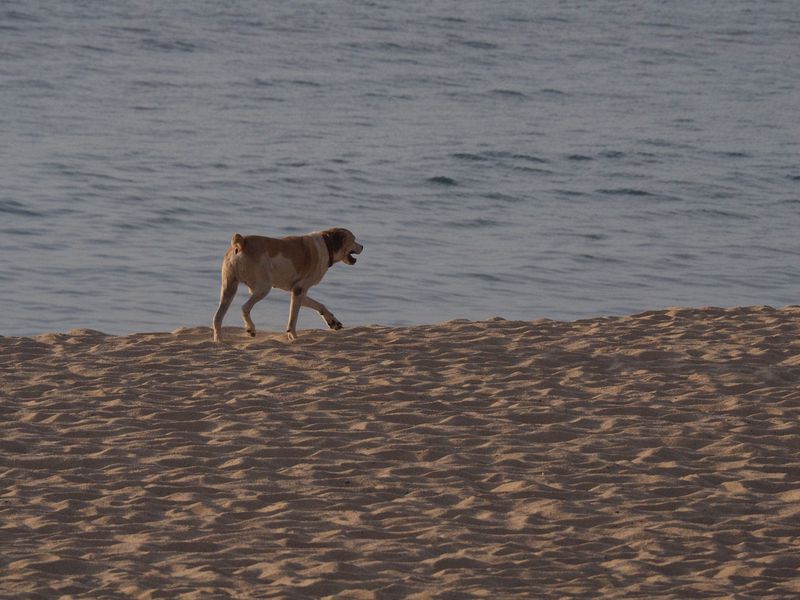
(442, 180)
(12, 207)
(626, 192)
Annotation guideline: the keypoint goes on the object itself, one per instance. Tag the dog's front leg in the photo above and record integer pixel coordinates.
(326, 315)
(298, 294)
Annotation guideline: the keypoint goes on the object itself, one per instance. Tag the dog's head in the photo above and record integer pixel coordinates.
(342, 245)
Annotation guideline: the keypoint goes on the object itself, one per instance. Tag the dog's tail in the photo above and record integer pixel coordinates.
(237, 241)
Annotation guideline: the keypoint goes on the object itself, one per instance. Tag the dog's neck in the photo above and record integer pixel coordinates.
(329, 247)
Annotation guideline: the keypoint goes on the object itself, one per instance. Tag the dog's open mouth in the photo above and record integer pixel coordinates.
(351, 256)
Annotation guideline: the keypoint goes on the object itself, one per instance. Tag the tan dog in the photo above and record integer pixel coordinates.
(293, 263)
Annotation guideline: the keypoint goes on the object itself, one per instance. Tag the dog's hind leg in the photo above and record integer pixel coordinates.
(256, 294)
(226, 294)
(326, 315)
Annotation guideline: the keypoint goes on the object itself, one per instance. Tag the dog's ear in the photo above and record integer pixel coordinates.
(334, 240)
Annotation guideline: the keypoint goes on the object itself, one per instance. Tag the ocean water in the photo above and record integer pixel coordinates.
(525, 159)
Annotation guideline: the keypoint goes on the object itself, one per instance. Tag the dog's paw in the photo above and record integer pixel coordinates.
(251, 332)
(335, 324)
(291, 335)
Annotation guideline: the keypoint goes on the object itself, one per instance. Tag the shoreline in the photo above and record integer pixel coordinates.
(652, 454)
(314, 325)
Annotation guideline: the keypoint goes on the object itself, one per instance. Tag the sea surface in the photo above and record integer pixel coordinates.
(524, 159)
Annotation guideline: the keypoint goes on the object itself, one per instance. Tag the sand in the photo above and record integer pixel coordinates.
(649, 456)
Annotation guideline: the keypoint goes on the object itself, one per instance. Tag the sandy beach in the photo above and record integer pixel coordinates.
(649, 456)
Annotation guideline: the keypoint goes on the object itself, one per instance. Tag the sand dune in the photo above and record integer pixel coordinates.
(656, 455)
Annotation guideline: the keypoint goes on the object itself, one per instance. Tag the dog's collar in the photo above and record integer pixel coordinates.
(330, 246)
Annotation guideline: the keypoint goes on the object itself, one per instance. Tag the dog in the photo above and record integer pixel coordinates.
(293, 263)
